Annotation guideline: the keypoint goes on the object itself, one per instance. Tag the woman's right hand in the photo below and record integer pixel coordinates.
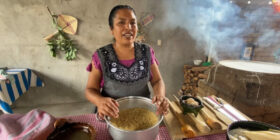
(108, 107)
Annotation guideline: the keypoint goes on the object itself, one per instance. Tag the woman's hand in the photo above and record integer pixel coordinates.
(107, 107)
(162, 104)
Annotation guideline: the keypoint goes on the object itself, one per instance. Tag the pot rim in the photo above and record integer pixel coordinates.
(134, 97)
(250, 124)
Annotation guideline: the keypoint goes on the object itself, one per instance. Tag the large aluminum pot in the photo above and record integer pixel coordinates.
(146, 134)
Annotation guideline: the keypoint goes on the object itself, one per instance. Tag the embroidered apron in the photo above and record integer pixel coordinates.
(121, 81)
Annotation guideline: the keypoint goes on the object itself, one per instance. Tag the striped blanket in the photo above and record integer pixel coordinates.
(20, 80)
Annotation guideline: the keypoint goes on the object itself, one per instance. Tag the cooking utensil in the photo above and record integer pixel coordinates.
(229, 108)
(213, 124)
(68, 24)
(218, 114)
(220, 107)
(201, 126)
(185, 128)
(132, 102)
(210, 122)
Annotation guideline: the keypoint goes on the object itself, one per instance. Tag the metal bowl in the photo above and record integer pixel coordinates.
(145, 134)
(250, 125)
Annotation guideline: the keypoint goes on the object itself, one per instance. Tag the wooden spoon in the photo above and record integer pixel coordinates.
(218, 114)
(213, 124)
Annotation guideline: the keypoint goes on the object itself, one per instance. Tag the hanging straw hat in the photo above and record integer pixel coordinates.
(68, 24)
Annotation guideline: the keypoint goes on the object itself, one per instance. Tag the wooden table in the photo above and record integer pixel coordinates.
(23, 126)
(103, 134)
(174, 126)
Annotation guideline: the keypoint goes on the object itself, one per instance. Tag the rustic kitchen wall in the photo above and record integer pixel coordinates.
(23, 24)
(264, 35)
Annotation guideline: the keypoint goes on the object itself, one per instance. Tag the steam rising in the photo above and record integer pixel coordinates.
(220, 26)
(264, 19)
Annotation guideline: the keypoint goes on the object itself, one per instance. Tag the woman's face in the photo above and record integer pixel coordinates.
(125, 27)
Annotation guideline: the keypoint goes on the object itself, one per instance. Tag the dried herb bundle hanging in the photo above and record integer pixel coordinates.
(60, 42)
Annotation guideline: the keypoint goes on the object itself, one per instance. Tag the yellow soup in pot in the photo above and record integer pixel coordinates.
(135, 119)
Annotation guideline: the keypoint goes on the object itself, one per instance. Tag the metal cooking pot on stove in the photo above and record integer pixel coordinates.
(146, 134)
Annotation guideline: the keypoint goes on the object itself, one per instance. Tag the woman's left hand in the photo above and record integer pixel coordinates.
(162, 104)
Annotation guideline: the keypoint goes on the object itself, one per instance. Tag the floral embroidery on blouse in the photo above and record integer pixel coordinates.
(117, 71)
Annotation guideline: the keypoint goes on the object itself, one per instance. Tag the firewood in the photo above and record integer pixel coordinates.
(195, 79)
(183, 87)
(180, 92)
(196, 73)
(203, 76)
(199, 68)
(191, 75)
(187, 67)
(195, 89)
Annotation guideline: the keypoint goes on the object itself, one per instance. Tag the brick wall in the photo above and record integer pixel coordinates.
(265, 54)
(260, 53)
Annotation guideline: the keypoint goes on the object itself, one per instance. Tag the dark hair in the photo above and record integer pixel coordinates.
(115, 10)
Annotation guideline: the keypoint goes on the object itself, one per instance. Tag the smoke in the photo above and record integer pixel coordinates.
(263, 20)
(220, 26)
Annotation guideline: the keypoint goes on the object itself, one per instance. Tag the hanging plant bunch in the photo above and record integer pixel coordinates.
(59, 41)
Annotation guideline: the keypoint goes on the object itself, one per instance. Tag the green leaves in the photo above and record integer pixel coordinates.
(61, 43)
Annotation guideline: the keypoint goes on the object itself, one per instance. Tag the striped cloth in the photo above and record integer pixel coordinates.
(21, 80)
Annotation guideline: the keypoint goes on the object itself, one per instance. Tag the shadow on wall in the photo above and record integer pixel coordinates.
(178, 49)
(54, 92)
(83, 52)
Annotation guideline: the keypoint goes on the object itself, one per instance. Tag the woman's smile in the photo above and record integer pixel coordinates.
(128, 36)
(125, 27)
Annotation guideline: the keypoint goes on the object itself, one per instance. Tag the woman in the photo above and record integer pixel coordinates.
(123, 68)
